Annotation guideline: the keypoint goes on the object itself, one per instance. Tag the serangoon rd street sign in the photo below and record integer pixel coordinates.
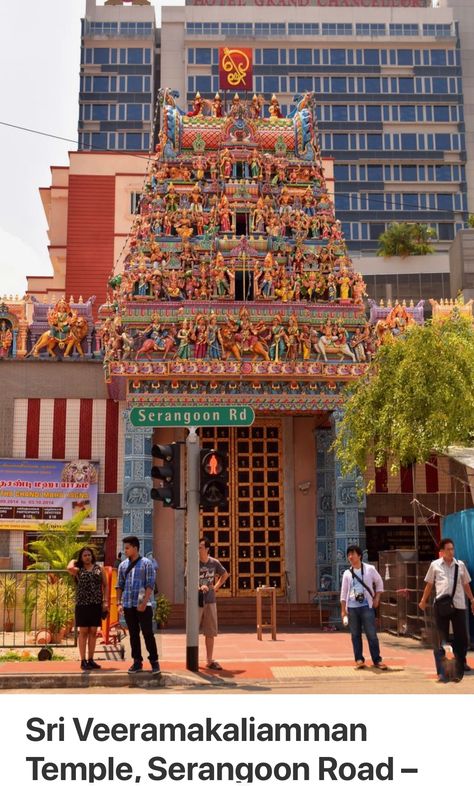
(167, 417)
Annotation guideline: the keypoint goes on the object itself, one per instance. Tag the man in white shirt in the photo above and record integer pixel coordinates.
(360, 595)
(441, 575)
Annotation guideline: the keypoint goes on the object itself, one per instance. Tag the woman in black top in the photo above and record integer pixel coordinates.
(91, 601)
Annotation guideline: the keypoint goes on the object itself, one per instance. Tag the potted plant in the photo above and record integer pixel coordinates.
(162, 610)
(8, 595)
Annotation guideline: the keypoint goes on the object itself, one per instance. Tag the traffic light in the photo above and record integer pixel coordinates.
(213, 479)
(169, 492)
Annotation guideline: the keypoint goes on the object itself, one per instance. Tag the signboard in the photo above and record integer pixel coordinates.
(34, 492)
(317, 3)
(158, 417)
(235, 69)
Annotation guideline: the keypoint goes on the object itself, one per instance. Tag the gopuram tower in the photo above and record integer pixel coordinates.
(235, 287)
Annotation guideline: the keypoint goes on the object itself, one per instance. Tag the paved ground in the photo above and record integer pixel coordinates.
(298, 661)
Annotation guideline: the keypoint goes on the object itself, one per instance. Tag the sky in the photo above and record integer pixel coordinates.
(39, 84)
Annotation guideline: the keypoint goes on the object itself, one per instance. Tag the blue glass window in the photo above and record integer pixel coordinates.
(135, 56)
(134, 111)
(371, 57)
(99, 141)
(442, 142)
(374, 172)
(408, 141)
(203, 84)
(340, 142)
(191, 56)
(443, 173)
(304, 56)
(372, 84)
(203, 56)
(374, 113)
(445, 201)
(438, 57)
(134, 142)
(99, 112)
(441, 113)
(135, 84)
(101, 55)
(405, 57)
(342, 202)
(440, 85)
(341, 172)
(406, 85)
(337, 56)
(270, 56)
(339, 113)
(407, 114)
(374, 141)
(100, 84)
(409, 173)
(271, 84)
(338, 84)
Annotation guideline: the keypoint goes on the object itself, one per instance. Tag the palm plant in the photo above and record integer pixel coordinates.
(8, 595)
(55, 548)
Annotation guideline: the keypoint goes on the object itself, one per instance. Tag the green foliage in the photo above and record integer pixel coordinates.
(8, 593)
(404, 240)
(162, 609)
(416, 399)
(15, 657)
(55, 548)
(470, 220)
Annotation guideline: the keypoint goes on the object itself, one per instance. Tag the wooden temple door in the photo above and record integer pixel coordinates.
(248, 534)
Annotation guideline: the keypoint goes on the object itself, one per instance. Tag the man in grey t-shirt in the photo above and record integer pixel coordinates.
(209, 568)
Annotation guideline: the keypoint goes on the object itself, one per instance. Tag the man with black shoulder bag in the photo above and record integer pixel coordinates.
(451, 581)
(361, 588)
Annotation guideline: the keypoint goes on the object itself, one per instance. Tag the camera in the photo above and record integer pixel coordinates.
(360, 597)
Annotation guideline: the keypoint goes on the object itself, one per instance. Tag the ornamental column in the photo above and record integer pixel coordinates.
(137, 482)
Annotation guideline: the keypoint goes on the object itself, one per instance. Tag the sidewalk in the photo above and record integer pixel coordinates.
(296, 657)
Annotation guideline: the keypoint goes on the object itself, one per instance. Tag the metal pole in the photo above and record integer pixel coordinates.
(192, 552)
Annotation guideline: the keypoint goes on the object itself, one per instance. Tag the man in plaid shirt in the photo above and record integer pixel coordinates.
(135, 585)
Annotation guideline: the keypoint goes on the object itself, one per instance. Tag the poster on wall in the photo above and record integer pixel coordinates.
(235, 69)
(35, 492)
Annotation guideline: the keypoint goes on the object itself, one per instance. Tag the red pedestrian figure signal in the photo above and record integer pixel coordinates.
(213, 479)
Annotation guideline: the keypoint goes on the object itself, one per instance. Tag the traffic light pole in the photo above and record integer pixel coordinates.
(192, 552)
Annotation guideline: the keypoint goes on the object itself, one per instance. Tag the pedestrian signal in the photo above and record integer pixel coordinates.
(213, 479)
(169, 473)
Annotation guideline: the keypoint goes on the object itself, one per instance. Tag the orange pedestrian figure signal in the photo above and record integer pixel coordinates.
(213, 465)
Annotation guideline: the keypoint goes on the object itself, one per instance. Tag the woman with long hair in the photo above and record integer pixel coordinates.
(91, 603)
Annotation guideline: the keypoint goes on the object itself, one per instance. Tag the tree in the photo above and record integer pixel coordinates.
(416, 399)
(470, 221)
(404, 240)
(55, 548)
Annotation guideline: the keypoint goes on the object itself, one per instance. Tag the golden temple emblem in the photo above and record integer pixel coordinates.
(235, 69)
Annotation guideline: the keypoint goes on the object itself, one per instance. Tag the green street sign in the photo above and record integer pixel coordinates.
(166, 417)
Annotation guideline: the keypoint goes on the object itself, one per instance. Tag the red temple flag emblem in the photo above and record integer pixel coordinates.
(235, 69)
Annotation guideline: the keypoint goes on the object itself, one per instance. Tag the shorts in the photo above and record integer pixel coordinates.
(208, 619)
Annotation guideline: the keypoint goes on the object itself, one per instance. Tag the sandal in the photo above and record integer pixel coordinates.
(380, 666)
(214, 665)
(360, 664)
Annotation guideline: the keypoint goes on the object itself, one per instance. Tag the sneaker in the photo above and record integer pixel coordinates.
(85, 665)
(136, 666)
(214, 665)
(155, 668)
(360, 664)
(93, 665)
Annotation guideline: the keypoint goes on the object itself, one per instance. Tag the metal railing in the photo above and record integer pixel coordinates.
(37, 609)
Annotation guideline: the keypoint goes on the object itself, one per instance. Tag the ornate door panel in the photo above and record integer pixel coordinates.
(248, 535)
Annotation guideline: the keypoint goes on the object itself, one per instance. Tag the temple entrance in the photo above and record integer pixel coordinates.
(248, 535)
(244, 285)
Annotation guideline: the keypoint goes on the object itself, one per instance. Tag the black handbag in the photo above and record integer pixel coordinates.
(444, 605)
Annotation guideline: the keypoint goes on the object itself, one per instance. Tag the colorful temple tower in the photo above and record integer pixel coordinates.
(236, 287)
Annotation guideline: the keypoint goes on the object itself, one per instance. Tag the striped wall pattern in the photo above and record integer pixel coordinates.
(70, 429)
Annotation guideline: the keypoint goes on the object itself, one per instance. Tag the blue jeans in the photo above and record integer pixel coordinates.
(363, 619)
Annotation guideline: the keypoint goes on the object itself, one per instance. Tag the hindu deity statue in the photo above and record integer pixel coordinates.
(216, 109)
(6, 338)
(274, 109)
(198, 104)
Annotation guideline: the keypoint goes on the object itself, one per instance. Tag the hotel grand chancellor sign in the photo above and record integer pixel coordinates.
(317, 3)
